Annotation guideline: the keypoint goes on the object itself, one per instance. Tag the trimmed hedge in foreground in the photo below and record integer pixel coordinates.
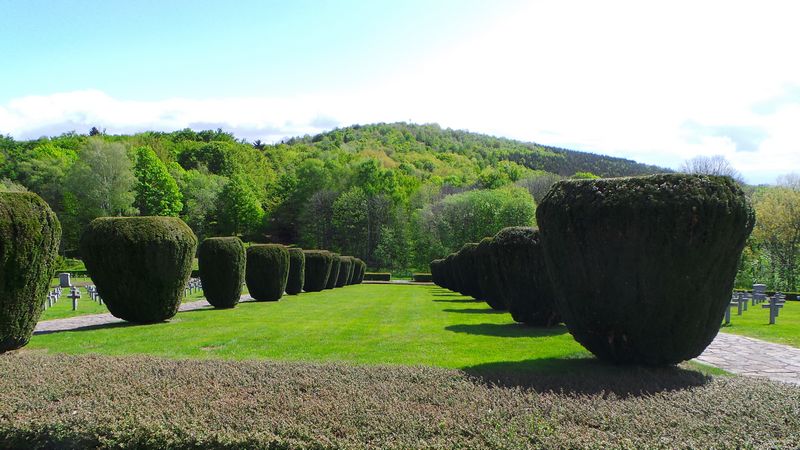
(344, 271)
(222, 264)
(643, 267)
(140, 265)
(318, 268)
(297, 271)
(267, 271)
(334, 273)
(30, 234)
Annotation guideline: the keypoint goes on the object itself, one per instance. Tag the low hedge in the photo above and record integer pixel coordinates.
(222, 266)
(377, 276)
(422, 277)
(344, 271)
(334, 274)
(140, 265)
(318, 269)
(297, 271)
(267, 271)
(30, 234)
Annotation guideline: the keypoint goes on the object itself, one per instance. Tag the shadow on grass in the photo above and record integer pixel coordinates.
(507, 330)
(587, 376)
(475, 311)
(100, 326)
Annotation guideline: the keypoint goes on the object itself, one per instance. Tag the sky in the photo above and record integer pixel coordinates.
(655, 82)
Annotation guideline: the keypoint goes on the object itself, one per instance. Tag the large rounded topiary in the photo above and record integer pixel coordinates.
(317, 269)
(486, 273)
(643, 267)
(449, 273)
(140, 265)
(222, 265)
(352, 273)
(436, 271)
(267, 271)
(344, 271)
(522, 279)
(359, 268)
(466, 271)
(297, 271)
(334, 274)
(29, 237)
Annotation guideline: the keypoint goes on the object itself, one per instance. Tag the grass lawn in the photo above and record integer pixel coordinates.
(755, 323)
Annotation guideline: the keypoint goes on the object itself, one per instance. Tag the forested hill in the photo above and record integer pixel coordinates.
(395, 195)
(430, 138)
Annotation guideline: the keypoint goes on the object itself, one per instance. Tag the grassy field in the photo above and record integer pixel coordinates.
(755, 323)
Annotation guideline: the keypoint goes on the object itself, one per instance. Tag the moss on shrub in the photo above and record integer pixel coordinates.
(522, 279)
(318, 269)
(297, 271)
(334, 274)
(267, 271)
(30, 234)
(140, 265)
(221, 262)
(643, 267)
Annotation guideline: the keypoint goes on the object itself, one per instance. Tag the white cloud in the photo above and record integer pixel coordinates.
(621, 78)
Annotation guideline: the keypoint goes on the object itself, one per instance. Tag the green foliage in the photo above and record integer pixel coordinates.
(222, 267)
(466, 271)
(139, 264)
(239, 209)
(344, 271)
(777, 233)
(297, 271)
(643, 268)
(29, 239)
(487, 276)
(360, 268)
(522, 279)
(584, 176)
(157, 193)
(267, 271)
(318, 265)
(333, 276)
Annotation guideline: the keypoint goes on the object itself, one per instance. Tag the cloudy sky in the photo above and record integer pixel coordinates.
(655, 82)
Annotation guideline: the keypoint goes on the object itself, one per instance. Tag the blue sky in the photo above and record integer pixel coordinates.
(658, 83)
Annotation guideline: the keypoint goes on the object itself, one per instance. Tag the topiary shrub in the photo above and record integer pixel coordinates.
(522, 279)
(643, 267)
(466, 271)
(360, 270)
(344, 270)
(352, 271)
(140, 265)
(267, 271)
(334, 274)
(436, 272)
(318, 268)
(486, 275)
(297, 271)
(222, 265)
(29, 238)
(449, 272)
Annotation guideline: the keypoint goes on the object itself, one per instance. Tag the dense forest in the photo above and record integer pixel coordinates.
(396, 195)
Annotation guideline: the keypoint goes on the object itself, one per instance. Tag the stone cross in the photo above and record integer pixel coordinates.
(775, 305)
(74, 294)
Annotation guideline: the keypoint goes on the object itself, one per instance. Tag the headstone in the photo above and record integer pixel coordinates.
(775, 304)
(742, 301)
(728, 312)
(64, 280)
(759, 292)
(74, 294)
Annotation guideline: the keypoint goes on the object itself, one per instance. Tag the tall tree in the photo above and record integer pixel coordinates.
(778, 231)
(711, 165)
(239, 209)
(157, 193)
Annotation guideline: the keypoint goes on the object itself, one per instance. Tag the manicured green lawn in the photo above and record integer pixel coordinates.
(755, 323)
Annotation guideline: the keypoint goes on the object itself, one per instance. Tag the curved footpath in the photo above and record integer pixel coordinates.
(733, 353)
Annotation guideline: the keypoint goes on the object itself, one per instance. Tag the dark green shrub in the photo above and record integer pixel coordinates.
(334, 274)
(378, 276)
(222, 265)
(449, 272)
(297, 271)
(352, 271)
(344, 271)
(486, 274)
(360, 270)
(466, 271)
(29, 238)
(436, 267)
(140, 265)
(267, 271)
(422, 277)
(522, 279)
(643, 267)
(318, 268)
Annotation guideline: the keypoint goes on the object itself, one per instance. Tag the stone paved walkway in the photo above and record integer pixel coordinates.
(736, 354)
(753, 357)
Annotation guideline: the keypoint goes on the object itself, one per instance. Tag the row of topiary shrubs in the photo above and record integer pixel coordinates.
(639, 269)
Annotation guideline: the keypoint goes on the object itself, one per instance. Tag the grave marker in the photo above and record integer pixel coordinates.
(75, 294)
(775, 305)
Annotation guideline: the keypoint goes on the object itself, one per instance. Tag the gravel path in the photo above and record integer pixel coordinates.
(737, 354)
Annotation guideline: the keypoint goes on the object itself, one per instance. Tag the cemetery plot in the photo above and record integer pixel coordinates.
(784, 315)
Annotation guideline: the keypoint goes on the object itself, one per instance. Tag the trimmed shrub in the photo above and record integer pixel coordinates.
(449, 272)
(643, 267)
(352, 271)
(466, 271)
(297, 271)
(360, 270)
(267, 271)
(436, 267)
(30, 234)
(344, 270)
(378, 276)
(318, 268)
(140, 265)
(222, 266)
(421, 277)
(334, 274)
(522, 279)
(486, 275)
